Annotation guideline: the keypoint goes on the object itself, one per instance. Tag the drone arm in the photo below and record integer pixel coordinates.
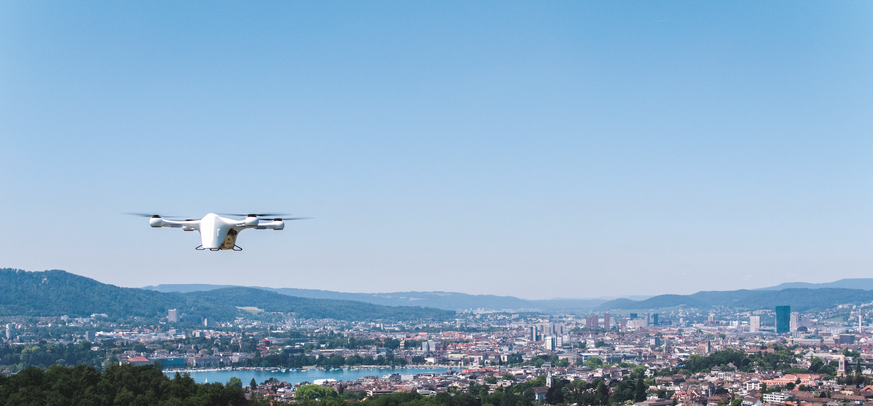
(188, 225)
(271, 225)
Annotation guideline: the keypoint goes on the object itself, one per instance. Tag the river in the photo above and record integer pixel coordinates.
(307, 375)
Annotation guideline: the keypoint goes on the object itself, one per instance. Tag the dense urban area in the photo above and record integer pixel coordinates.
(678, 356)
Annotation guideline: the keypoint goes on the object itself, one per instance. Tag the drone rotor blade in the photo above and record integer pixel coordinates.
(255, 214)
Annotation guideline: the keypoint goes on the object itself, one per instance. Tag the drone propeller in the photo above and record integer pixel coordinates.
(254, 214)
(288, 218)
(157, 216)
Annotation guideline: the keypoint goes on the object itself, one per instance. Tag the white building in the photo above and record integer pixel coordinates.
(776, 397)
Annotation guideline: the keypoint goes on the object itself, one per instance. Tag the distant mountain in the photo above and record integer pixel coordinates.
(854, 283)
(438, 300)
(798, 299)
(56, 293)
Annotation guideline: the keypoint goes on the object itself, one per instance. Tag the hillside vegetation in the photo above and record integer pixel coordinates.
(56, 293)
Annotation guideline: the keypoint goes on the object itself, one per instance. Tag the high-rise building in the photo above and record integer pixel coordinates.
(783, 319)
(606, 321)
(595, 322)
(795, 321)
(9, 331)
(754, 324)
(532, 333)
(655, 319)
(622, 325)
(173, 315)
(549, 343)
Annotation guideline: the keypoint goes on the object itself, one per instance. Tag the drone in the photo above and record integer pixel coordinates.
(219, 233)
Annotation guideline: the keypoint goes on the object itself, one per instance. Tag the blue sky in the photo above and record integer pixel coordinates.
(535, 149)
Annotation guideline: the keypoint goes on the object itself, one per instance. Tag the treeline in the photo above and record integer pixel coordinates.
(780, 359)
(597, 392)
(18, 357)
(118, 385)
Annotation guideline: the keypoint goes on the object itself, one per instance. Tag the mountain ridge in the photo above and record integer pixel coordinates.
(800, 299)
(57, 293)
(436, 299)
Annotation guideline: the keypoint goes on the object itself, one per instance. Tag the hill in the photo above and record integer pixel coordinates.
(56, 293)
(852, 283)
(438, 300)
(798, 299)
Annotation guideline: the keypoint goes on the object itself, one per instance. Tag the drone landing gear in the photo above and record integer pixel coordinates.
(200, 248)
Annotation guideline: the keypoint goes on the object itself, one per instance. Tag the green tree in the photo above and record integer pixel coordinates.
(253, 384)
(314, 392)
(234, 381)
(593, 362)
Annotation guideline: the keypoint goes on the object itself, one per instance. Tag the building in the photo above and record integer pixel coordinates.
(622, 324)
(549, 343)
(783, 320)
(173, 315)
(540, 393)
(138, 361)
(532, 333)
(9, 331)
(777, 397)
(606, 321)
(847, 339)
(754, 324)
(655, 319)
(794, 321)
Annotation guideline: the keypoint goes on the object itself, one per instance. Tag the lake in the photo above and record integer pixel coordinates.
(308, 375)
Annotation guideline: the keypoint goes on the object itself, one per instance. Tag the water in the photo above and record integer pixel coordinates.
(308, 375)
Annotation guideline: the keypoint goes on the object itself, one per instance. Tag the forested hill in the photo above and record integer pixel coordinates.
(56, 293)
(798, 299)
(439, 300)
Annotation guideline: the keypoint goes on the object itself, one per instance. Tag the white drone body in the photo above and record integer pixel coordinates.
(219, 233)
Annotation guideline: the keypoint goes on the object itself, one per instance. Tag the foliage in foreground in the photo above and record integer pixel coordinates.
(118, 385)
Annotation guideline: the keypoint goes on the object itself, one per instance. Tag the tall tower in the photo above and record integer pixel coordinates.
(783, 319)
(606, 321)
(754, 324)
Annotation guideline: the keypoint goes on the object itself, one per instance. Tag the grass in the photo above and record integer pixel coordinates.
(250, 309)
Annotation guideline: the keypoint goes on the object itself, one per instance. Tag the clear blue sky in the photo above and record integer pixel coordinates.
(535, 149)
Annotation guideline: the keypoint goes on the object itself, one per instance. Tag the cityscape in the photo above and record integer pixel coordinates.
(656, 357)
